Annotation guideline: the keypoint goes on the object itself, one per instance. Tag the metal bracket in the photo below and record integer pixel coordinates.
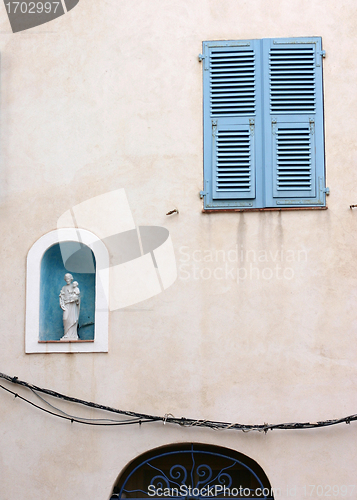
(323, 53)
(202, 194)
(312, 125)
(251, 125)
(327, 191)
(201, 57)
(273, 126)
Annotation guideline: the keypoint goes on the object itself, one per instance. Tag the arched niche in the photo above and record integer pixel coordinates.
(192, 471)
(53, 271)
(85, 256)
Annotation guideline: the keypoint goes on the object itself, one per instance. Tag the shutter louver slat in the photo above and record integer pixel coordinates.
(293, 160)
(232, 73)
(292, 80)
(233, 160)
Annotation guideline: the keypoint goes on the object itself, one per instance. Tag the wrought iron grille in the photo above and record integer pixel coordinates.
(194, 473)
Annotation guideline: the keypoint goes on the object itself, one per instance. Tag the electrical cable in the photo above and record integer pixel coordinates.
(73, 416)
(140, 418)
(72, 419)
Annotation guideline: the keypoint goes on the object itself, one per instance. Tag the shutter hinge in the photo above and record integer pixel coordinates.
(251, 126)
(326, 190)
(319, 56)
(312, 125)
(214, 127)
(202, 58)
(273, 126)
(205, 191)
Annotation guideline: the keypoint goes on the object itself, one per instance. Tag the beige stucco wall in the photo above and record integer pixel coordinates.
(110, 96)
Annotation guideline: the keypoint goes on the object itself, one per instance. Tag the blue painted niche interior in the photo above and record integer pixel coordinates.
(51, 283)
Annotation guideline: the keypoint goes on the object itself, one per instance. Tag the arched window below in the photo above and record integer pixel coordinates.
(192, 471)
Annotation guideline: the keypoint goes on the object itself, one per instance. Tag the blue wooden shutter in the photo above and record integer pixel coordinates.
(293, 122)
(232, 122)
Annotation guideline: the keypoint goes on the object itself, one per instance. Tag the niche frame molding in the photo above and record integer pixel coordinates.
(33, 277)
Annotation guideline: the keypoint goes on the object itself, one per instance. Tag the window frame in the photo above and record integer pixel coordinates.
(262, 194)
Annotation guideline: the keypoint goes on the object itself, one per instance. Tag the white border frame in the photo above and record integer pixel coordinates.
(101, 322)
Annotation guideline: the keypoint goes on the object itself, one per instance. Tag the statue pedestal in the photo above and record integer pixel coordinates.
(61, 341)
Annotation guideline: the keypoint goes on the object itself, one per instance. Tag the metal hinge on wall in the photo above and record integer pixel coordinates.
(319, 56)
(202, 58)
(205, 191)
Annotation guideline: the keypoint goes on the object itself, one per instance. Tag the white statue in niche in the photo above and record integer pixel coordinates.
(70, 303)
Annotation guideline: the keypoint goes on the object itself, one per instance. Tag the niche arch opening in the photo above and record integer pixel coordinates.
(81, 265)
(85, 256)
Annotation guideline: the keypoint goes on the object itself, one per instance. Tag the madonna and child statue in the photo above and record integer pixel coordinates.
(70, 300)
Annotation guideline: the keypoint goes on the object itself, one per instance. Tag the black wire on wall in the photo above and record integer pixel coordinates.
(141, 418)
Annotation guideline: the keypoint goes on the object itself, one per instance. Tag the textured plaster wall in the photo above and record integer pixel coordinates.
(110, 96)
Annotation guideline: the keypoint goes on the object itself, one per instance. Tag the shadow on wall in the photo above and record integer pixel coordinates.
(28, 14)
(52, 281)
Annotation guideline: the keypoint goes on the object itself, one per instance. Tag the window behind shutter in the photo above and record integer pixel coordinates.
(231, 122)
(293, 123)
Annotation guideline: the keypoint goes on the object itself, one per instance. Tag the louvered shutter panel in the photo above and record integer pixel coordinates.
(294, 164)
(233, 161)
(293, 122)
(231, 122)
